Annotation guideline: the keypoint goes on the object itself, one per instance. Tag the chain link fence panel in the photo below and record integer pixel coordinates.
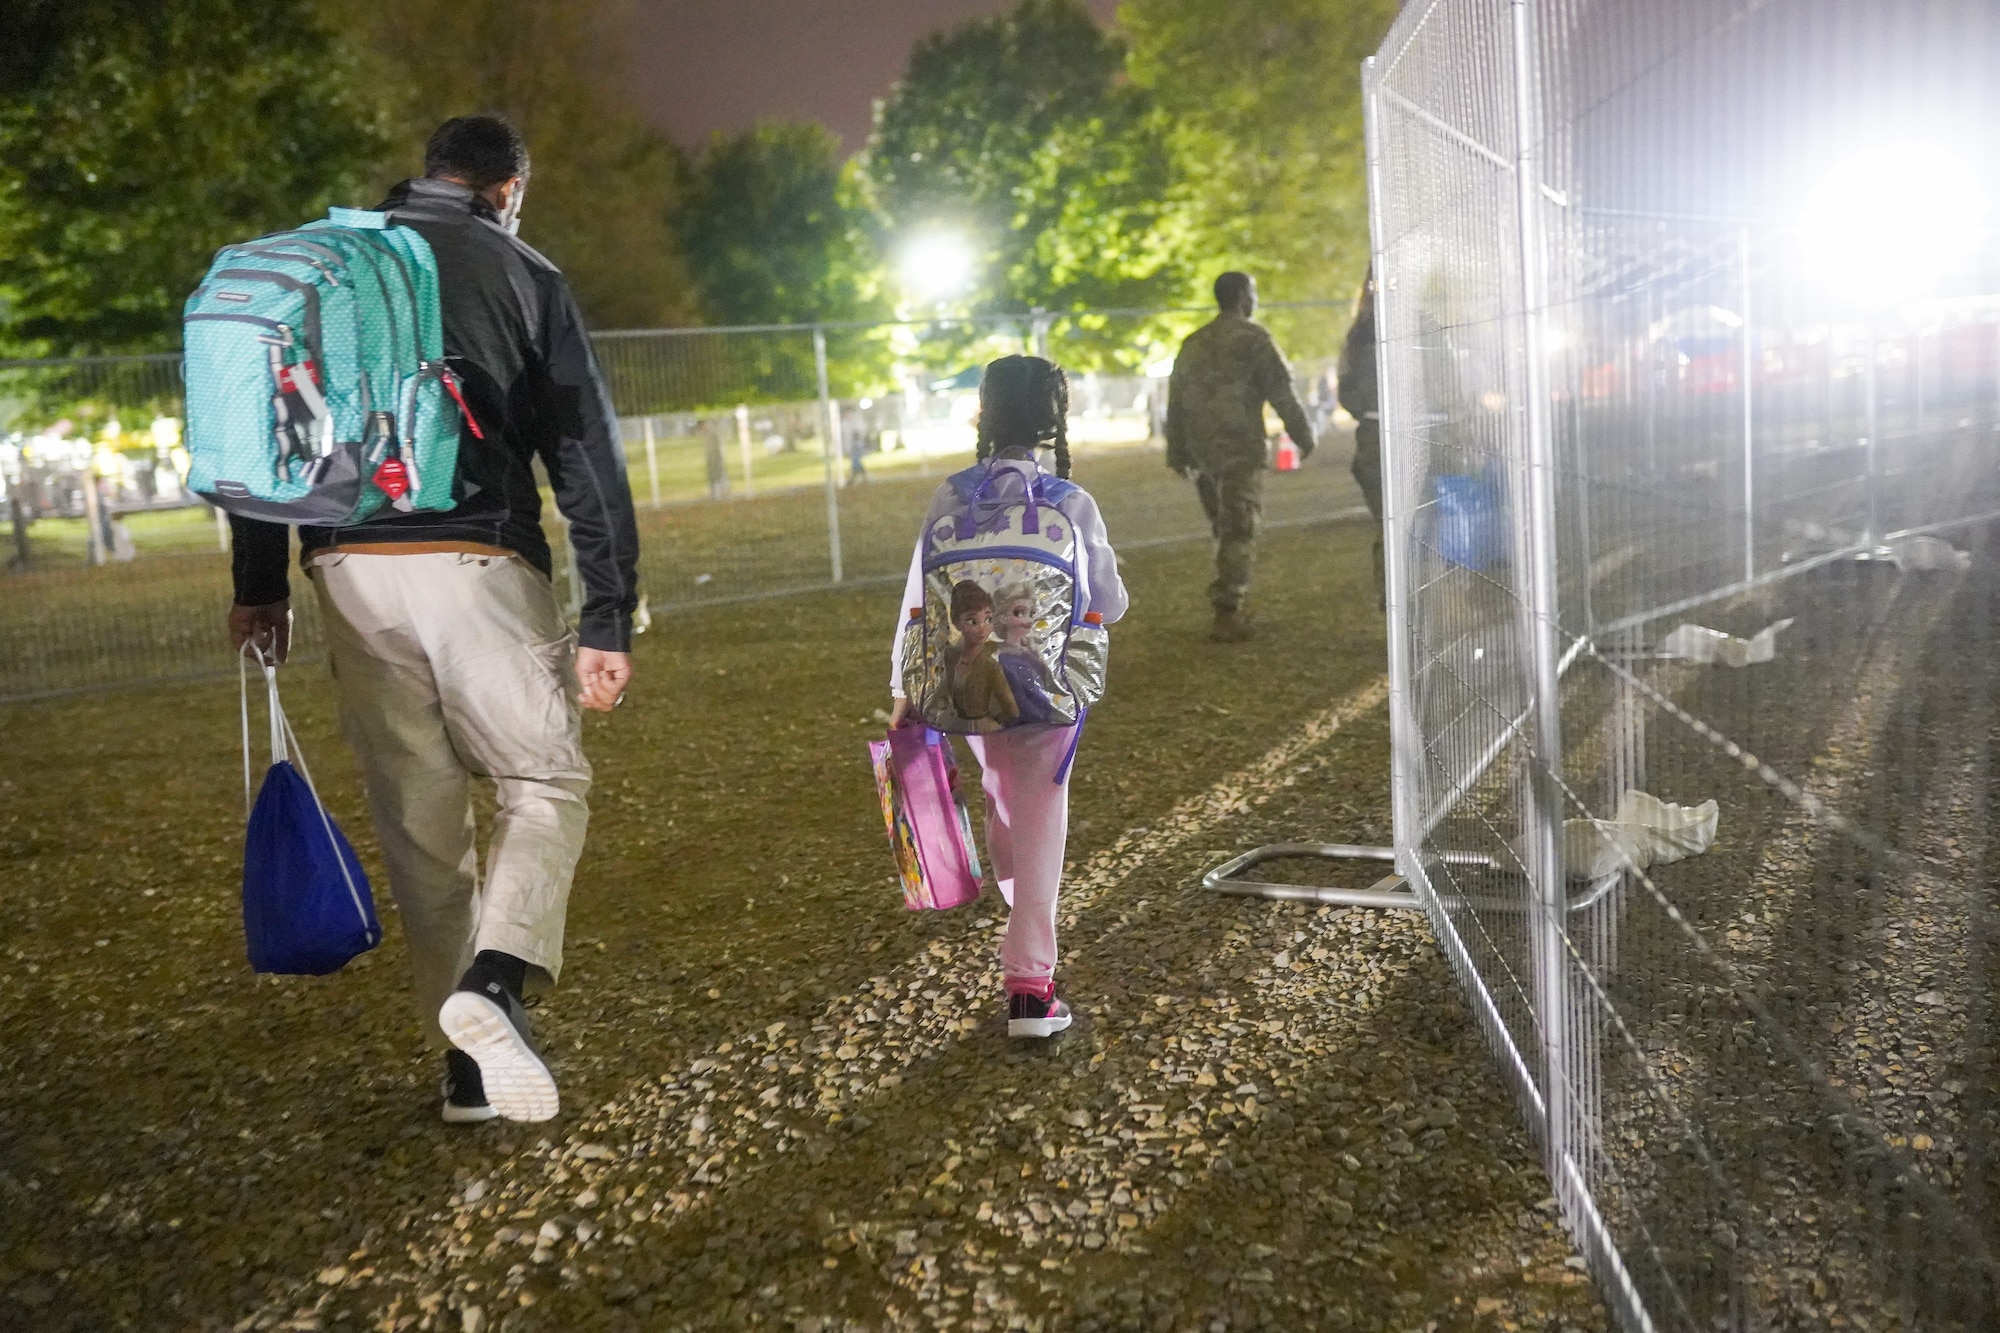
(1691, 403)
(764, 462)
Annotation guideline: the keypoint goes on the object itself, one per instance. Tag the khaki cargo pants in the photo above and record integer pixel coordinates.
(1234, 502)
(452, 667)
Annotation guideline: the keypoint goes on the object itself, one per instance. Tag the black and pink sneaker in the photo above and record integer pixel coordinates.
(1035, 1015)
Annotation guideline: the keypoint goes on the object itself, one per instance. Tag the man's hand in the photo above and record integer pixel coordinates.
(267, 628)
(603, 677)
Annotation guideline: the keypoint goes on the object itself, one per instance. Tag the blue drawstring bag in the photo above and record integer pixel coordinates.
(307, 907)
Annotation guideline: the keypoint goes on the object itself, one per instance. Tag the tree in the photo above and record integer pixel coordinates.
(1265, 101)
(603, 182)
(771, 232)
(138, 136)
(1021, 133)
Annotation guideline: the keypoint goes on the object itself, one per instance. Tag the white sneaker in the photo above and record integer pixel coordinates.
(489, 1025)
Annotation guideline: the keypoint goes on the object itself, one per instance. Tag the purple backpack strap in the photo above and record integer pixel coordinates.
(1069, 757)
(971, 495)
(975, 497)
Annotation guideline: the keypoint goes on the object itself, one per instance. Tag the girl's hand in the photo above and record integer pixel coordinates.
(899, 711)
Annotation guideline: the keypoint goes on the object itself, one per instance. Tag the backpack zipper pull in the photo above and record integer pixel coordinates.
(450, 379)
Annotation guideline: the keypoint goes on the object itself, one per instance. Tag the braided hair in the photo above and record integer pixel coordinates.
(1024, 403)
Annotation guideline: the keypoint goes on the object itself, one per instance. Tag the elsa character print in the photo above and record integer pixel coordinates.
(1025, 670)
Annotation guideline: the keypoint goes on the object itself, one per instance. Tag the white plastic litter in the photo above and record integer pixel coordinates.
(1925, 554)
(1698, 643)
(1644, 831)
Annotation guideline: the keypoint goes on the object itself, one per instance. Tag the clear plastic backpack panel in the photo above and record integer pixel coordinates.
(1011, 656)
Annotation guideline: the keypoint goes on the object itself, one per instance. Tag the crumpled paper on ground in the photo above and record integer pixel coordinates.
(1698, 643)
(1643, 831)
(1924, 553)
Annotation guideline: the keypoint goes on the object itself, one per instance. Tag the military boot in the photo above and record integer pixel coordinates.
(1230, 627)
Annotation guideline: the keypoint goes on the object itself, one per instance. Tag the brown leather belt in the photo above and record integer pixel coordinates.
(413, 548)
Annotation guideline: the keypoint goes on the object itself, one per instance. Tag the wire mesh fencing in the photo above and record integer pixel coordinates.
(764, 461)
(1690, 358)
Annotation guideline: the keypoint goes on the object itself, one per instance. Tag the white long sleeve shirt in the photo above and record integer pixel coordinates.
(1099, 588)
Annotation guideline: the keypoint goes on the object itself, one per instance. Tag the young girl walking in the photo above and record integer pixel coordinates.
(1023, 412)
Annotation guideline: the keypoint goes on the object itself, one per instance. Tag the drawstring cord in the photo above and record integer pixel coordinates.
(285, 749)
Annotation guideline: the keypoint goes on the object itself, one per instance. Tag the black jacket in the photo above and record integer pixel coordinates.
(514, 335)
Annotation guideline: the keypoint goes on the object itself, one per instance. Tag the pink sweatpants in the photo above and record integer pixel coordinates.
(1027, 822)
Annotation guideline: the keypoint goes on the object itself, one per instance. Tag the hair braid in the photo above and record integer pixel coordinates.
(1059, 409)
(1024, 403)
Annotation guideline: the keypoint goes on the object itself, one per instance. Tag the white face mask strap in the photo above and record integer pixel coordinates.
(511, 219)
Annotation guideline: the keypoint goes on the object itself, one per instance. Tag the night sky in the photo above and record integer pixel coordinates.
(706, 65)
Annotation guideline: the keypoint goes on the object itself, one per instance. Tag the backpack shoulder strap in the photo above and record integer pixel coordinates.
(968, 483)
(361, 218)
(1055, 490)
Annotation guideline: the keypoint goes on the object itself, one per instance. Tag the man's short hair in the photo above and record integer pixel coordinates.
(481, 151)
(1231, 288)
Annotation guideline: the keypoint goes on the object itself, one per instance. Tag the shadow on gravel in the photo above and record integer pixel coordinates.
(185, 1145)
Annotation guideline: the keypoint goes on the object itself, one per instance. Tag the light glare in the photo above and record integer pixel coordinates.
(1889, 222)
(936, 265)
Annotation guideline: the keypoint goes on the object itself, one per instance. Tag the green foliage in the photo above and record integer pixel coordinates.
(1021, 132)
(1266, 104)
(138, 136)
(770, 231)
(603, 182)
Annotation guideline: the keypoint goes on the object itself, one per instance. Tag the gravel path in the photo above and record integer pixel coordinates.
(792, 1105)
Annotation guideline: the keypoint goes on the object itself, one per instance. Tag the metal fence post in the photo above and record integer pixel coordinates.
(93, 514)
(1869, 351)
(1537, 567)
(652, 462)
(743, 444)
(1748, 372)
(829, 424)
(1038, 325)
(1405, 743)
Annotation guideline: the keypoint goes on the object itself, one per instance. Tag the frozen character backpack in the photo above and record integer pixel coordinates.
(1002, 631)
(317, 389)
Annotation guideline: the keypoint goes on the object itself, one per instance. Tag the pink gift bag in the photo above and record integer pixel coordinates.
(929, 828)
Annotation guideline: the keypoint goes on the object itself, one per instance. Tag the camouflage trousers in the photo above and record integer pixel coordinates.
(1234, 502)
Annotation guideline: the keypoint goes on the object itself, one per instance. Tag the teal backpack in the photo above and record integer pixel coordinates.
(317, 389)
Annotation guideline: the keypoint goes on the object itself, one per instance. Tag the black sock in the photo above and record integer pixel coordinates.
(493, 965)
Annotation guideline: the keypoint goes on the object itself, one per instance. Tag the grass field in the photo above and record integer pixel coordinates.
(788, 1101)
(71, 627)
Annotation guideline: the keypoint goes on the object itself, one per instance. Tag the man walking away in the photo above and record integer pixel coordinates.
(1226, 371)
(1361, 396)
(450, 653)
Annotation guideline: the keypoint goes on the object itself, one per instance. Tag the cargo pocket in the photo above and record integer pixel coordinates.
(555, 686)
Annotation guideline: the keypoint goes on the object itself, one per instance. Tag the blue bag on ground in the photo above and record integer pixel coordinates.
(307, 907)
(1468, 513)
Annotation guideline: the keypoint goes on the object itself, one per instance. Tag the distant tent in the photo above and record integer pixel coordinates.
(965, 379)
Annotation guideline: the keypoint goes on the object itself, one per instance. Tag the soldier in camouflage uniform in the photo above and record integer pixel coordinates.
(1225, 373)
(1361, 396)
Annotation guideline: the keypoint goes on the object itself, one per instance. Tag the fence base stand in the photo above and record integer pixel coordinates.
(1390, 891)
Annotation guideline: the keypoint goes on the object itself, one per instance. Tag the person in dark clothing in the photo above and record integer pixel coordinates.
(450, 653)
(1361, 396)
(1223, 375)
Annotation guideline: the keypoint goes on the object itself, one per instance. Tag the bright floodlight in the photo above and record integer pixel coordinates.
(936, 265)
(1888, 223)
